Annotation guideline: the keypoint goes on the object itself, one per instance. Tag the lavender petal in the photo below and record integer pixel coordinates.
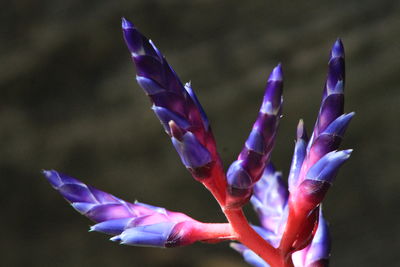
(327, 167)
(192, 153)
(155, 235)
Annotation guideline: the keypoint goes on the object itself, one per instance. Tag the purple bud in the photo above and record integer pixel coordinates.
(273, 93)
(137, 44)
(126, 24)
(70, 188)
(336, 67)
(256, 152)
(113, 215)
(238, 177)
(337, 49)
(327, 167)
(155, 235)
(174, 102)
(193, 154)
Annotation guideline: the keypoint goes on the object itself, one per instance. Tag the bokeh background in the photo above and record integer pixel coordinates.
(69, 101)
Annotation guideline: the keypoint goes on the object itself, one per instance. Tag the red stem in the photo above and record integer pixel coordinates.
(248, 237)
(213, 232)
(239, 228)
(294, 223)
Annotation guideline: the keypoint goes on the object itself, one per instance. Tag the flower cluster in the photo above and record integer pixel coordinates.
(292, 231)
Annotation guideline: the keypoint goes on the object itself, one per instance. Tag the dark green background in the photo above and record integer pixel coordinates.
(69, 101)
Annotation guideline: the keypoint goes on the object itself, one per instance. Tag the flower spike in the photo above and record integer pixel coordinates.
(331, 122)
(173, 101)
(247, 169)
(320, 162)
(136, 224)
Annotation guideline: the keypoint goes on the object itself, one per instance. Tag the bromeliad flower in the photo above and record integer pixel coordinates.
(293, 231)
(136, 224)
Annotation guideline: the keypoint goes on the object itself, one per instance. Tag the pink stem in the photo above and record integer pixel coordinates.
(238, 228)
(213, 232)
(248, 237)
(293, 226)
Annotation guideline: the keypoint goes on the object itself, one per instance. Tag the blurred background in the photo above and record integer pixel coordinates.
(69, 101)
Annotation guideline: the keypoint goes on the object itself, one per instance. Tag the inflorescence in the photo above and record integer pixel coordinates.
(292, 230)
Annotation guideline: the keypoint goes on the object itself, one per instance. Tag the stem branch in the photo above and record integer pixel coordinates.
(249, 237)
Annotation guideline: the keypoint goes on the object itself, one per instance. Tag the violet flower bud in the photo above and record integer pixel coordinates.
(321, 161)
(134, 224)
(247, 169)
(333, 98)
(193, 154)
(332, 104)
(162, 234)
(172, 101)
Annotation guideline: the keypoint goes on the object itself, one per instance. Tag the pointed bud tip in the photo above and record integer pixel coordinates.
(337, 49)
(52, 177)
(276, 74)
(116, 238)
(349, 116)
(176, 131)
(301, 130)
(46, 173)
(348, 152)
(126, 24)
(238, 247)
